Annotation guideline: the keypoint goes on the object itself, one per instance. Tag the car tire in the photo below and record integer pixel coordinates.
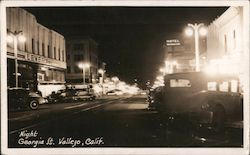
(219, 118)
(33, 104)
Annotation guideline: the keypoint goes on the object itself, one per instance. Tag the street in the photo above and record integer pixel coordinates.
(110, 121)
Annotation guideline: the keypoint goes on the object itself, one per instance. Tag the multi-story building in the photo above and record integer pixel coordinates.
(225, 41)
(41, 58)
(180, 53)
(82, 51)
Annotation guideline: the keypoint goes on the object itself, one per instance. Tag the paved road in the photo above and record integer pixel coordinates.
(107, 122)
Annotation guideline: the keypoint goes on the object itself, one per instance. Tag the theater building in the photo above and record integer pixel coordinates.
(226, 40)
(41, 58)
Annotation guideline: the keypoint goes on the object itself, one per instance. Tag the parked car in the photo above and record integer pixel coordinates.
(85, 94)
(115, 92)
(64, 95)
(202, 98)
(24, 98)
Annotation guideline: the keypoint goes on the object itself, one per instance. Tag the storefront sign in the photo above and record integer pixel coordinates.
(37, 59)
(44, 60)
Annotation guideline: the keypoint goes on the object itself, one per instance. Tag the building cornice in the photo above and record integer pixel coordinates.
(226, 16)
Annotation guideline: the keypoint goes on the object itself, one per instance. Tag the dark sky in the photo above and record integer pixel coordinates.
(130, 38)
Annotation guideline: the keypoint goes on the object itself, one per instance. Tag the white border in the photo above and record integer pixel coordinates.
(138, 3)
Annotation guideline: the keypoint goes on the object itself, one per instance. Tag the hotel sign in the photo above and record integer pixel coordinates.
(173, 42)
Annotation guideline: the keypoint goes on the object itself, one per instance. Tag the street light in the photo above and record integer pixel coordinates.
(83, 66)
(101, 71)
(15, 37)
(198, 29)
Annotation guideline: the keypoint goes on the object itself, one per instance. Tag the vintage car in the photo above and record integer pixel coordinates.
(24, 98)
(85, 94)
(71, 95)
(62, 96)
(203, 98)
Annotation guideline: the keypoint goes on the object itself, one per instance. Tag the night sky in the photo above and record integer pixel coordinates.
(130, 38)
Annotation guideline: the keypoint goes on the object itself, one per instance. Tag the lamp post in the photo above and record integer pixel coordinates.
(197, 28)
(83, 66)
(101, 71)
(15, 37)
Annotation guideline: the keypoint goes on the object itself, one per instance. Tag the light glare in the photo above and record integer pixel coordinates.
(203, 31)
(9, 39)
(189, 31)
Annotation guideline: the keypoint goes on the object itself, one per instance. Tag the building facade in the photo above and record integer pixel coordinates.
(41, 58)
(82, 51)
(225, 41)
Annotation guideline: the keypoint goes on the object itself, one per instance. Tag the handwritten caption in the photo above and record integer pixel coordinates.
(32, 138)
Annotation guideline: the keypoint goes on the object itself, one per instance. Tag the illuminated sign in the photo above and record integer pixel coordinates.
(173, 42)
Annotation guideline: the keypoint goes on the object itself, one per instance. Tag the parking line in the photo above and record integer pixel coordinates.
(74, 106)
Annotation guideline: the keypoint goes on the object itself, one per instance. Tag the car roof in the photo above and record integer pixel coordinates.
(198, 75)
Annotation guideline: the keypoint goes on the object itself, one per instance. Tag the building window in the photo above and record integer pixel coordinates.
(33, 45)
(38, 47)
(68, 57)
(77, 69)
(54, 52)
(43, 49)
(59, 54)
(234, 35)
(225, 43)
(68, 69)
(78, 57)
(25, 47)
(63, 58)
(78, 46)
(49, 52)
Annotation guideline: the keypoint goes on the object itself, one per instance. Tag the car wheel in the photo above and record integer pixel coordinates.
(219, 118)
(33, 104)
